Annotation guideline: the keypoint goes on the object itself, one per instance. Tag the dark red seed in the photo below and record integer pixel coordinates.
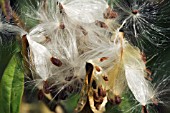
(110, 14)
(62, 26)
(135, 12)
(95, 95)
(40, 95)
(118, 99)
(97, 68)
(103, 58)
(56, 62)
(144, 110)
(99, 99)
(105, 78)
(101, 92)
(143, 57)
(97, 105)
(101, 24)
(148, 71)
(60, 6)
(104, 93)
(46, 87)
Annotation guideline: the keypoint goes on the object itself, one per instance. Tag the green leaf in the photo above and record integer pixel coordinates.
(71, 103)
(12, 86)
(7, 50)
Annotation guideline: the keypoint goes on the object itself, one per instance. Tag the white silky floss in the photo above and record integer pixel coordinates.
(41, 58)
(135, 75)
(86, 11)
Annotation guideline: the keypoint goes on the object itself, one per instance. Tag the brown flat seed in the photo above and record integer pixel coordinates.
(117, 99)
(103, 58)
(143, 56)
(144, 110)
(62, 26)
(101, 24)
(40, 95)
(97, 105)
(148, 71)
(95, 95)
(97, 68)
(60, 6)
(101, 92)
(98, 100)
(104, 93)
(135, 12)
(56, 62)
(105, 78)
(110, 14)
(46, 87)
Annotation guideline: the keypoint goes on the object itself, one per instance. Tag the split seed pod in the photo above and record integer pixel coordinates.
(94, 90)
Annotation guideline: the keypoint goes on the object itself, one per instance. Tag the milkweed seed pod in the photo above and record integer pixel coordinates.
(140, 87)
(117, 82)
(94, 89)
(135, 73)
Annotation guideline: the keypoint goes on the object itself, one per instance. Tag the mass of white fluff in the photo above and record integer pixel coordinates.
(135, 75)
(55, 45)
(46, 12)
(86, 11)
(39, 52)
(63, 44)
(40, 58)
(75, 44)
